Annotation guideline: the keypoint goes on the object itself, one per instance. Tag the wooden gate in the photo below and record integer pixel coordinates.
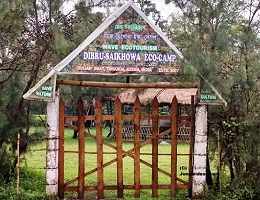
(134, 153)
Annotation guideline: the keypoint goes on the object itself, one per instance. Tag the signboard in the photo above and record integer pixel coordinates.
(129, 45)
(45, 91)
(207, 95)
(126, 43)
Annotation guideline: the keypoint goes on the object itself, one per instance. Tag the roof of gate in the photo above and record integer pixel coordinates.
(128, 96)
(44, 92)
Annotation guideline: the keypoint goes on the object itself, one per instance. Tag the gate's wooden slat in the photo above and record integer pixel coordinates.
(183, 186)
(118, 117)
(191, 144)
(71, 118)
(183, 123)
(187, 118)
(127, 153)
(155, 148)
(90, 135)
(89, 117)
(90, 152)
(174, 125)
(137, 147)
(125, 117)
(75, 118)
(61, 150)
(112, 146)
(114, 160)
(180, 117)
(81, 149)
(71, 188)
(100, 173)
(108, 117)
(86, 188)
(126, 187)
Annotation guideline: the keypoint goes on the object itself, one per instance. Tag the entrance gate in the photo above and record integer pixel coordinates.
(134, 153)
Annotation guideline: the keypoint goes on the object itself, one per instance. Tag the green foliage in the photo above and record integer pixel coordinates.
(34, 35)
(7, 160)
(223, 46)
(240, 189)
(149, 9)
(218, 41)
(31, 187)
(38, 121)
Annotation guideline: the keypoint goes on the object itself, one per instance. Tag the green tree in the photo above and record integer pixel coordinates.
(35, 35)
(221, 38)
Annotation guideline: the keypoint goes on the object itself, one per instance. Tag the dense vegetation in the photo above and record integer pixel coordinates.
(220, 38)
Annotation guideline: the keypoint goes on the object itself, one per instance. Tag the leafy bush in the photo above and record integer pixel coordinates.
(31, 188)
(37, 120)
(7, 160)
(242, 188)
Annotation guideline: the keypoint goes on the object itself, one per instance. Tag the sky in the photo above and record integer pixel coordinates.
(166, 10)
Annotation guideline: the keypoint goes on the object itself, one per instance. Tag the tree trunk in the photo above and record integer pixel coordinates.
(208, 173)
(232, 175)
(75, 135)
(127, 79)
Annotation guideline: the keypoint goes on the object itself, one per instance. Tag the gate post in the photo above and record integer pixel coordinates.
(52, 147)
(200, 148)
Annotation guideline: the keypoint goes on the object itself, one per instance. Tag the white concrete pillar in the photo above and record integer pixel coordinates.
(52, 148)
(200, 150)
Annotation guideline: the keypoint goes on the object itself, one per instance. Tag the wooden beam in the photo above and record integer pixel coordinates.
(137, 147)
(126, 85)
(155, 147)
(174, 125)
(118, 114)
(100, 173)
(81, 149)
(126, 187)
(61, 151)
(125, 117)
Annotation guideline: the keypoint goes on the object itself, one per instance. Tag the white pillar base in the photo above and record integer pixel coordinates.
(52, 148)
(200, 150)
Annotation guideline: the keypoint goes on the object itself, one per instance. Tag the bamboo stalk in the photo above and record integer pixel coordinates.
(219, 162)
(18, 164)
(126, 85)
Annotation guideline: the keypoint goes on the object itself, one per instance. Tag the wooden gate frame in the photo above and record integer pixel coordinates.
(118, 117)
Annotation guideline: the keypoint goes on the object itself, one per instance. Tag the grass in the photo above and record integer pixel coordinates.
(31, 187)
(35, 161)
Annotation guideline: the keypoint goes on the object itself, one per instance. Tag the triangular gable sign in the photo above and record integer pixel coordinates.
(126, 43)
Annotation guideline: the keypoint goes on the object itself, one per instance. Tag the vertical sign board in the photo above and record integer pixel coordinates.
(129, 45)
(207, 95)
(46, 91)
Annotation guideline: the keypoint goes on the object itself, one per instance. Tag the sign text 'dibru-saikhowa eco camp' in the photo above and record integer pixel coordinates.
(129, 45)
(126, 43)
